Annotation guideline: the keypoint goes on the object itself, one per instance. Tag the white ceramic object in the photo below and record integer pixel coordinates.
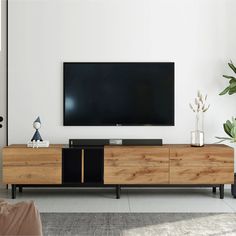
(37, 125)
(38, 144)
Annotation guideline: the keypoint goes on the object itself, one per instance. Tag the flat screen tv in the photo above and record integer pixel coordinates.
(101, 94)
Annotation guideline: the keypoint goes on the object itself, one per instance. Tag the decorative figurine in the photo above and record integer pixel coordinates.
(37, 137)
(37, 140)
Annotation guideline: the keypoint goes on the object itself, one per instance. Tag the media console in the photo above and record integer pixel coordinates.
(118, 166)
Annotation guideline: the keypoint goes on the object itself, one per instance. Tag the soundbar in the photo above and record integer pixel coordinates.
(145, 142)
(88, 142)
(125, 142)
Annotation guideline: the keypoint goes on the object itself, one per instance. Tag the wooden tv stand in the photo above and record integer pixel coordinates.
(167, 165)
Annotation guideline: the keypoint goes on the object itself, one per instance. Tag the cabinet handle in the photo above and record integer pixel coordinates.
(82, 166)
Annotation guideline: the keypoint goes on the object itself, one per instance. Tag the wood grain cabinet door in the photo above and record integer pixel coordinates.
(32, 165)
(212, 164)
(136, 165)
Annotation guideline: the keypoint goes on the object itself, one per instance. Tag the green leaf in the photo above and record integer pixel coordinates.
(226, 90)
(229, 124)
(232, 84)
(232, 90)
(233, 132)
(230, 129)
(227, 129)
(229, 77)
(231, 65)
(224, 138)
(232, 81)
(233, 122)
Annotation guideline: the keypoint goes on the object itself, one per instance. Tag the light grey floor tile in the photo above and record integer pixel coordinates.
(73, 200)
(230, 201)
(176, 200)
(134, 200)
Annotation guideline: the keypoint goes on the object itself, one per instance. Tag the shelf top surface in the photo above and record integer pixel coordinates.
(162, 146)
(25, 146)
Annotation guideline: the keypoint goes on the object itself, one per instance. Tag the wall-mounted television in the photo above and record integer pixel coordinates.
(107, 94)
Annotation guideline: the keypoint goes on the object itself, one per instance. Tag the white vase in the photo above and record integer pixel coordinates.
(197, 136)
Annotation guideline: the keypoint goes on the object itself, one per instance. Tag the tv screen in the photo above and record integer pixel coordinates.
(100, 94)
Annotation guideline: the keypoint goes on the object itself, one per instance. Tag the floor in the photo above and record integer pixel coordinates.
(132, 200)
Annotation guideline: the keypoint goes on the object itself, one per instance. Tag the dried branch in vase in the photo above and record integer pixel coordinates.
(200, 103)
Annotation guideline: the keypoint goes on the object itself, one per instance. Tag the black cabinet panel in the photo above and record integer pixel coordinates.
(71, 165)
(93, 165)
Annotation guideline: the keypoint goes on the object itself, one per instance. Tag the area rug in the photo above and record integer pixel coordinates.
(143, 224)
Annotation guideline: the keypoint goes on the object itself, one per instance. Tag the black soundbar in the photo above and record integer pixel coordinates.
(125, 142)
(145, 142)
(88, 142)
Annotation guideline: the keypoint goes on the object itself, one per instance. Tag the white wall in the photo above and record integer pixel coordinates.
(2, 77)
(198, 35)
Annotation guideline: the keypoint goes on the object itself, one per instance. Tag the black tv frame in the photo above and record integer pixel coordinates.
(64, 63)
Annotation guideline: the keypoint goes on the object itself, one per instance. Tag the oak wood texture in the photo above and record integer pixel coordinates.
(211, 164)
(201, 175)
(136, 175)
(167, 164)
(136, 165)
(22, 165)
(173, 164)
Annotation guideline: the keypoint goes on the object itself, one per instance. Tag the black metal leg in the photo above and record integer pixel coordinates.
(222, 191)
(214, 190)
(6, 186)
(117, 191)
(13, 191)
(20, 189)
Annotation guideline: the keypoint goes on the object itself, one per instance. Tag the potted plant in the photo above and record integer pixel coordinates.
(231, 89)
(230, 127)
(230, 130)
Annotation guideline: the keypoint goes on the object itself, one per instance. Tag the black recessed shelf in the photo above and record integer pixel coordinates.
(71, 165)
(90, 165)
(93, 165)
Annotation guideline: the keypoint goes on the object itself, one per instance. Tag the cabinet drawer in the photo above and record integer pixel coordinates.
(202, 157)
(136, 165)
(32, 166)
(135, 175)
(136, 156)
(206, 165)
(31, 156)
(202, 175)
(32, 175)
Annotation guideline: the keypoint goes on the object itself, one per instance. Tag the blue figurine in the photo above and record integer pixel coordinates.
(37, 125)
